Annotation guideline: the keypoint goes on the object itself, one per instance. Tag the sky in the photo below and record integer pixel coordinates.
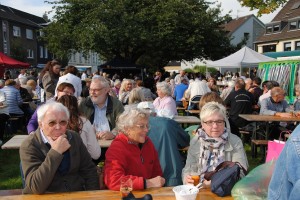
(38, 7)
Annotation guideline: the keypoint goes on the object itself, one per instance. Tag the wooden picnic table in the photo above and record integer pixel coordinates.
(16, 141)
(266, 119)
(193, 111)
(164, 193)
(187, 119)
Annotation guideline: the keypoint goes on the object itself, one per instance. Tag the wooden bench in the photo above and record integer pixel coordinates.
(255, 143)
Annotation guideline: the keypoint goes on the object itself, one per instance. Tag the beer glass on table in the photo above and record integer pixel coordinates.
(195, 173)
(125, 186)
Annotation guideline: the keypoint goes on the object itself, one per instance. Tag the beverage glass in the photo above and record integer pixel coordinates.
(125, 186)
(195, 173)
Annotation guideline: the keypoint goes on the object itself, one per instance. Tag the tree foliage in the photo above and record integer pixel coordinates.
(263, 6)
(144, 31)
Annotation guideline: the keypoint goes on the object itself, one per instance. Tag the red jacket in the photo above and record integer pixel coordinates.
(125, 159)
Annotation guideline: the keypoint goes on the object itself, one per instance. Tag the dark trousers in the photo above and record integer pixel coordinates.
(3, 120)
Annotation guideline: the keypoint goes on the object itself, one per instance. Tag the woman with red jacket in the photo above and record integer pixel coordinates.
(132, 154)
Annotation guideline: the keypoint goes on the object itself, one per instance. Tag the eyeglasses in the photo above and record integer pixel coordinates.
(54, 123)
(96, 89)
(218, 122)
(143, 126)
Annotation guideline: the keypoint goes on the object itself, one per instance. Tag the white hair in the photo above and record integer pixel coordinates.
(54, 106)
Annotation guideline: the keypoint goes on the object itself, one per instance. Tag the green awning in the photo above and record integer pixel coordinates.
(282, 54)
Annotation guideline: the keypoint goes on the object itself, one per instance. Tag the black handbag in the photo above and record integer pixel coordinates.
(224, 177)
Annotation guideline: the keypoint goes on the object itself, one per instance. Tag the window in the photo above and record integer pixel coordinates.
(29, 34)
(29, 53)
(16, 31)
(41, 33)
(287, 46)
(269, 48)
(41, 52)
(269, 29)
(293, 25)
(46, 52)
(276, 28)
(297, 45)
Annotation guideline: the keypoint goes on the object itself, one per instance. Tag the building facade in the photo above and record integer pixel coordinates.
(247, 28)
(282, 35)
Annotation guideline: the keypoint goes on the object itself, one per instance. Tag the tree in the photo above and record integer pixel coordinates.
(263, 6)
(144, 31)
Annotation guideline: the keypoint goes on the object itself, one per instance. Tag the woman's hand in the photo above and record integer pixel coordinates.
(155, 182)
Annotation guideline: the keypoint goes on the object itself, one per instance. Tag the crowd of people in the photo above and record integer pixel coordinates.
(67, 112)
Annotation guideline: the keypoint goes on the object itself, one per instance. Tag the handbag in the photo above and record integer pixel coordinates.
(275, 147)
(224, 177)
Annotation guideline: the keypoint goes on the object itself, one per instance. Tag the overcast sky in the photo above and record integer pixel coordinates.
(38, 7)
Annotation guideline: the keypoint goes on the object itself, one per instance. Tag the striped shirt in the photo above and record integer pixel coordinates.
(13, 100)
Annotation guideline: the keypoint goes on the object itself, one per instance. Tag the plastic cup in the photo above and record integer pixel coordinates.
(185, 192)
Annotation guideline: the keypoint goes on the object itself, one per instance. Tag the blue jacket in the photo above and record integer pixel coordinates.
(168, 137)
(285, 182)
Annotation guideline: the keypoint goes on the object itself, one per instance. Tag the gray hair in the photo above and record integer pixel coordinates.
(129, 117)
(136, 95)
(23, 80)
(102, 80)
(54, 106)
(117, 81)
(164, 87)
(210, 108)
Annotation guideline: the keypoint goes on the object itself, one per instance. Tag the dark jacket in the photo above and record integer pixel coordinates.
(40, 166)
(114, 109)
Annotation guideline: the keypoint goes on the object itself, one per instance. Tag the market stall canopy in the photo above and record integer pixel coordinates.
(245, 57)
(8, 62)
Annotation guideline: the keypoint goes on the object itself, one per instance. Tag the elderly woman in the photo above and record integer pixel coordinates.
(164, 101)
(132, 154)
(125, 89)
(213, 144)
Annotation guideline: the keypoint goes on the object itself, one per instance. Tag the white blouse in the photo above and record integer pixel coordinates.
(88, 136)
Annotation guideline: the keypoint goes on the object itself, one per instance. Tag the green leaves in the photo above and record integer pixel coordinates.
(147, 32)
(263, 6)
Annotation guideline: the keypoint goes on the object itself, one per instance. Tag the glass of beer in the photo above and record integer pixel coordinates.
(125, 186)
(195, 173)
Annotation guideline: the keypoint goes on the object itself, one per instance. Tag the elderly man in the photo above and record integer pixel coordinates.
(276, 105)
(180, 76)
(101, 109)
(55, 159)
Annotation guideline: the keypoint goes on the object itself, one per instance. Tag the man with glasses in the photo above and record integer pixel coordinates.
(101, 109)
(55, 159)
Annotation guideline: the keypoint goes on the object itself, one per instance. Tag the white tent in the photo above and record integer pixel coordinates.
(245, 57)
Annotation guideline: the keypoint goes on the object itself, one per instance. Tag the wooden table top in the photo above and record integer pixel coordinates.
(187, 119)
(164, 193)
(268, 118)
(16, 141)
(193, 111)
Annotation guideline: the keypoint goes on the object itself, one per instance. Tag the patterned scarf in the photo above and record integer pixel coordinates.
(212, 150)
